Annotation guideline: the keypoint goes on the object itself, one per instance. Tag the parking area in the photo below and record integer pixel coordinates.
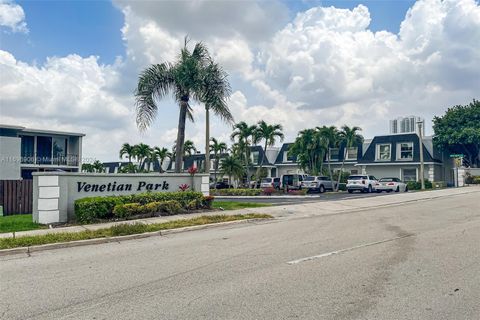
(327, 196)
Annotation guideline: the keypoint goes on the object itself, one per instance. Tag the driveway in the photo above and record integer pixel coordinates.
(409, 256)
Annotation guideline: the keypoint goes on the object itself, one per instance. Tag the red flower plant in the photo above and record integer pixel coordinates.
(183, 187)
(192, 170)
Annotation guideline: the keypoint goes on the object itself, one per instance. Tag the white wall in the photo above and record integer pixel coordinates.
(10, 158)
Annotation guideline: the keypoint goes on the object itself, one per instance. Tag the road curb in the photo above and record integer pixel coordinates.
(79, 243)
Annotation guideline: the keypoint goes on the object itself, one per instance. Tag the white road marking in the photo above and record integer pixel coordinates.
(323, 255)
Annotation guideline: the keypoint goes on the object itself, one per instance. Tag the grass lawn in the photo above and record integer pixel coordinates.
(232, 205)
(18, 222)
(122, 230)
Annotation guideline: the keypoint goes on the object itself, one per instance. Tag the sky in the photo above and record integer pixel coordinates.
(73, 65)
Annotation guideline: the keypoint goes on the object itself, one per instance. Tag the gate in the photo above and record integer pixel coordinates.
(16, 196)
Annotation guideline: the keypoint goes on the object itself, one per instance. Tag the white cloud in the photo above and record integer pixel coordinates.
(323, 67)
(12, 16)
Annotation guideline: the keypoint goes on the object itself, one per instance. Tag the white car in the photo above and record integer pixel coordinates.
(391, 184)
(318, 184)
(362, 183)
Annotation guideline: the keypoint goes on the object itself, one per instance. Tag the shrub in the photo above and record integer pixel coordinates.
(470, 179)
(207, 202)
(236, 192)
(301, 192)
(268, 191)
(128, 209)
(88, 210)
(417, 185)
(170, 207)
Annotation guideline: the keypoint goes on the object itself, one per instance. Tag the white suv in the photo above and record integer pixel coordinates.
(362, 183)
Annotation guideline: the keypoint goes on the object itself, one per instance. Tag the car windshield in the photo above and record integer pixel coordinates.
(266, 180)
(310, 178)
(387, 180)
(356, 177)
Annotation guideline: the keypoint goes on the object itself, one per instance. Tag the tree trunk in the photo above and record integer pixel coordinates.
(341, 169)
(215, 169)
(259, 171)
(329, 168)
(161, 164)
(207, 141)
(181, 135)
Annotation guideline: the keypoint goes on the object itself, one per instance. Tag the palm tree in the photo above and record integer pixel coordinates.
(161, 154)
(186, 79)
(127, 150)
(244, 134)
(330, 136)
(98, 166)
(217, 148)
(217, 90)
(231, 166)
(309, 147)
(350, 138)
(143, 152)
(269, 133)
(188, 148)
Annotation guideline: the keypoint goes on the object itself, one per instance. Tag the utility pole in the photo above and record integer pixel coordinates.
(420, 138)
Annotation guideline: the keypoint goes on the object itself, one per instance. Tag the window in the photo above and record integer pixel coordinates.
(255, 157)
(354, 171)
(352, 154)
(44, 150)
(409, 175)
(384, 152)
(334, 154)
(287, 157)
(405, 151)
(27, 149)
(59, 150)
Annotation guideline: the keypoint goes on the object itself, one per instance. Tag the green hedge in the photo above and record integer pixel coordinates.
(236, 192)
(127, 210)
(88, 210)
(417, 185)
(469, 179)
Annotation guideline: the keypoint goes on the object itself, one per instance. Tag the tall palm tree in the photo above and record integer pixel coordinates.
(143, 152)
(217, 148)
(186, 79)
(244, 134)
(161, 154)
(127, 150)
(217, 90)
(330, 136)
(309, 147)
(188, 148)
(231, 166)
(349, 137)
(269, 133)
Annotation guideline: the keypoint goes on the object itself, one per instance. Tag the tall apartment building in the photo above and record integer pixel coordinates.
(407, 125)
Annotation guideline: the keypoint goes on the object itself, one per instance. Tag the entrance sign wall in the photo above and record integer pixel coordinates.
(54, 193)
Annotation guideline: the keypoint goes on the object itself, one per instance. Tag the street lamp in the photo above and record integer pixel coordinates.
(420, 138)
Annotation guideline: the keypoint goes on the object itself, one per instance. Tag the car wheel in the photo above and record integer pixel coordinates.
(369, 189)
(379, 191)
(389, 191)
(321, 189)
(398, 189)
(350, 191)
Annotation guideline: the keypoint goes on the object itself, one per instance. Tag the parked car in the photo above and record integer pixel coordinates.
(318, 184)
(362, 183)
(292, 181)
(221, 185)
(270, 183)
(391, 184)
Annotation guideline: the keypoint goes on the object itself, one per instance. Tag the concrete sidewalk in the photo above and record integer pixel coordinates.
(296, 210)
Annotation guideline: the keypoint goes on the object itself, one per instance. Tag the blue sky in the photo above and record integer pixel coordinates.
(59, 28)
(289, 65)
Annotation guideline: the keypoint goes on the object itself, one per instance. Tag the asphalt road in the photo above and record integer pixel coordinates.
(327, 196)
(417, 260)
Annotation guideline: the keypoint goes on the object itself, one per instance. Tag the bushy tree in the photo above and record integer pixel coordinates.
(458, 131)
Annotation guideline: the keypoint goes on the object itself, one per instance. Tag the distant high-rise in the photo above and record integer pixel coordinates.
(406, 125)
